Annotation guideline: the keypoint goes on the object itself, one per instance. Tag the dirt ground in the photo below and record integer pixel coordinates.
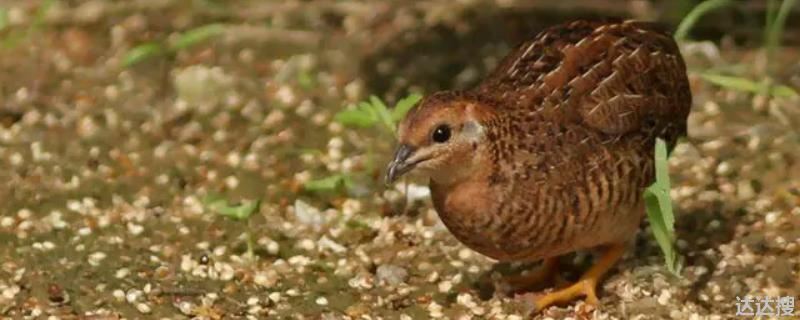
(106, 168)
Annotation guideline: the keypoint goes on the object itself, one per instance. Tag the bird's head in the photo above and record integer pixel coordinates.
(439, 138)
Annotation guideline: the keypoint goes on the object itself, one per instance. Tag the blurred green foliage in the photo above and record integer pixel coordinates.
(366, 114)
(142, 52)
(776, 21)
(195, 36)
(183, 41)
(369, 113)
(15, 38)
(773, 32)
(3, 18)
(330, 183)
(238, 212)
(694, 15)
(747, 85)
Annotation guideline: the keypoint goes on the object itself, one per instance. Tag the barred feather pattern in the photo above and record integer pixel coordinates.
(577, 110)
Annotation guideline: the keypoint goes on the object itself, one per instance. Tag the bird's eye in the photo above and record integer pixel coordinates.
(441, 134)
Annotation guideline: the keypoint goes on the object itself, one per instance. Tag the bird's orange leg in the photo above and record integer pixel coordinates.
(544, 273)
(586, 285)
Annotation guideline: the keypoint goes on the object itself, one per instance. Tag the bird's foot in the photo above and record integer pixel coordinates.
(582, 288)
(545, 274)
(585, 287)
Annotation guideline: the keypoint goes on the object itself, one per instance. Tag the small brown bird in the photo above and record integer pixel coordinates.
(552, 151)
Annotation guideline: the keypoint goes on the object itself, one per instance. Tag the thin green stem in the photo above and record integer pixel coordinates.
(693, 16)
(775, 24)
(770, 19)
(249, 241)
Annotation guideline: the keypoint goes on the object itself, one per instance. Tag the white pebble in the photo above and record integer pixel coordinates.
(299, 260)
(9, 292)
(232, 182)
(273, 247)
(119, 295)
(143, 308)
(663, 298)
(133, 295)
(772, 216)
(327, 243)
(135, 229)
(252, 301)
(306, 244)
(16, 159)
(47, 245)
(274, 297)
(464, 254)
(96, 258)
(391, 274)
(465, 299)
(6, 222)
(445, 286)
(24, 214)
(85, 231)
(187, 308)
(122, 273)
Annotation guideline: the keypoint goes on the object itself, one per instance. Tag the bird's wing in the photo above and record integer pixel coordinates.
(614, 77)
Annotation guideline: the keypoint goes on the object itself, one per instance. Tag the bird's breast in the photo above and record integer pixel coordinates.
(469, 210)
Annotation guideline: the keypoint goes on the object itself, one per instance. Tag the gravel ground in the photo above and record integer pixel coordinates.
(107, 169)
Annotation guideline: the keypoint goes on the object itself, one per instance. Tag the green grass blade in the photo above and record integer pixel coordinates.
(663, 183)
(693, 16)
(196, 35)
(241, 212)
(383, 113)
(782, 91)
(771, 13)
(659, 208)
(405, 104)
(306, 80)
(15, 38)
(662, 169)
(12, 40)
(358, 117)
(141, 53)
(367, 108)
(3, 18)
(664, 237)
(41, 13)
(213, 6)
(222, 207)
(775, 26)
(747, 85)
(735, 83)
(326, 184)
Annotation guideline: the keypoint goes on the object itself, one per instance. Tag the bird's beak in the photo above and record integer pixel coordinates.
(400, 164)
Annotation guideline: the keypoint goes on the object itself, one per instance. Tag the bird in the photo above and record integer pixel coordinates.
(551, 152)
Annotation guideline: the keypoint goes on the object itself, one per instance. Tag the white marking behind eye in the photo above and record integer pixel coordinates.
(473, 131)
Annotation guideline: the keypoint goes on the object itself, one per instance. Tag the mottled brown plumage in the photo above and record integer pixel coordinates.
(551, 152)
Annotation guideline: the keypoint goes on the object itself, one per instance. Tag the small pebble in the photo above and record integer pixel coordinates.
(664, 297)
(96, 258)
(143, 308)
(252, 301)
(119, 295)
(445, 286)
(391, 274)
